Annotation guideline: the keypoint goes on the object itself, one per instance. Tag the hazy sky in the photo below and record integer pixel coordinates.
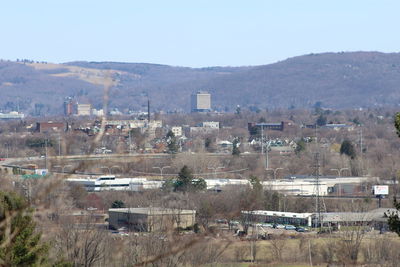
(194, 33)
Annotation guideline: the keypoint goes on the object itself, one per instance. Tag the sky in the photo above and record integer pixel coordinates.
(193, 33)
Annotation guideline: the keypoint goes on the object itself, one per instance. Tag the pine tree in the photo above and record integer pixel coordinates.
(394, 217)
(235, 147)
(301, 146)
(172, 143)
(348, 149)
(184, 180)
(321, 121)
(397, 123)
(187, 182)
(19, 242)
(117, 204)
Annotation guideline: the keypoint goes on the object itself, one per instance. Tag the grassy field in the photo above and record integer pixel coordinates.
(95, 76)
(259, 265)
(295, 251)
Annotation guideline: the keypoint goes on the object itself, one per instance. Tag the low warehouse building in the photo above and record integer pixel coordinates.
(375, 218)
(300, 219)
(150, 219)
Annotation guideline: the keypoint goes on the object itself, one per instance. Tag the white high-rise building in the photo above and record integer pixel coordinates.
(177, 130)
(84, 110)
(201, 102)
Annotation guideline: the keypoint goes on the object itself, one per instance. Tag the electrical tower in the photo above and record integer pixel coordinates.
(317, 189)
(319, 201)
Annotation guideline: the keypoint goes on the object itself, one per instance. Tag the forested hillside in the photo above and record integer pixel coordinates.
(338, 80)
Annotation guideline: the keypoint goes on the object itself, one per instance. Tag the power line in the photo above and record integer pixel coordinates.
(205, 173)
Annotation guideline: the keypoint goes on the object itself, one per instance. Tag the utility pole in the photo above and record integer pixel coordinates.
(361, 151)
(215, 170)
(262, 148)
(266, 154)
(161, 169)
(262, 140)
(59, 145)
(130, 142)
(7, 148)
(45, 157)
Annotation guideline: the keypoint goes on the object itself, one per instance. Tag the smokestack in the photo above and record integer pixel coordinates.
(148, 110)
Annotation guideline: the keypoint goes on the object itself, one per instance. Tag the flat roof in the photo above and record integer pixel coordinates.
(152, 211)
(296, 176)
(372, 215)
(269, 124)
(278, 214)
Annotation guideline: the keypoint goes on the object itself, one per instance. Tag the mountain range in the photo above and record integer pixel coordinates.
(336, 80)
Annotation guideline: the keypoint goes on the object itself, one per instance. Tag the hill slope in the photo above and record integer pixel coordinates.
(338, 80)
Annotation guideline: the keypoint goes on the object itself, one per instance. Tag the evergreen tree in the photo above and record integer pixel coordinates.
(238, 110)
(168, 185)
(397, 123)
(301, 146)
(321, 121)
(262, 120)
(187, 182)
(117, 204)
(172, 143)
(235, 147)
(348, 149)
(394, 217)
(184, 180)
(19, 242)
(209, 144)
(199, 184)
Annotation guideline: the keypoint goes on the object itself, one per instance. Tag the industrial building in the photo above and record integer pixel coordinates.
(306, 185)
(277, 126)
(266, 216)
(150, 219)
(219, 184)
(375, 218)
(291, 185)
(201, 102)
(43, 127)
(13, 115)
(110, 182)
(303, 185)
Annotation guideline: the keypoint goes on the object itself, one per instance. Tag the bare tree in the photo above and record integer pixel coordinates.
(278, 245)
(81, 244)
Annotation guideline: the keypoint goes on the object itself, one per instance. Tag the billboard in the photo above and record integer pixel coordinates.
(381, 190)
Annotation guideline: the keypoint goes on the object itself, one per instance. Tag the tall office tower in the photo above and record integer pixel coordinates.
(68, 106)
(201, 102)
